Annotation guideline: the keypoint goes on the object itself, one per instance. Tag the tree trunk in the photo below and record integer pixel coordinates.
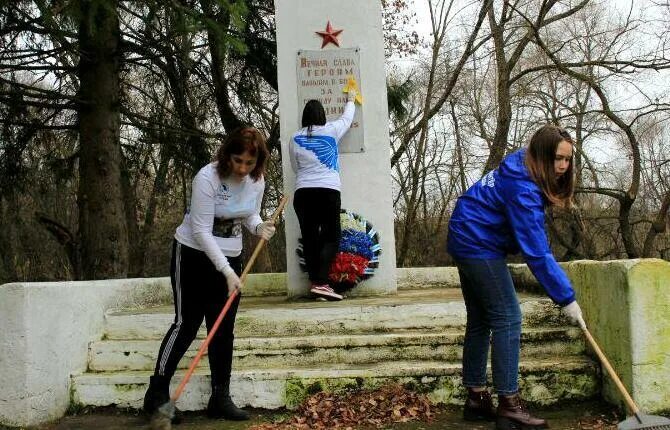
(9, 238)
(413, 201)
(159, 189)
(194, 151)
(217, 50)
(135, 251)
(658, 226)
(504, 119)
(503, 97)
(102, 224)
(627, 236)
(458, 149)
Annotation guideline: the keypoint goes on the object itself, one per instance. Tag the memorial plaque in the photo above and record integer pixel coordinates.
(321, 75)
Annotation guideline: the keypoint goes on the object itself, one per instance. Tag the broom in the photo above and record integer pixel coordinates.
(638, 421)
(162, 418)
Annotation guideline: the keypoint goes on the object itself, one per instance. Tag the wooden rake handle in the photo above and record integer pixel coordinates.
(629, 400)
(261, 242)
(229, 302)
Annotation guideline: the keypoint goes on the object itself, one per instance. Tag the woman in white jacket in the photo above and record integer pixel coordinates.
(206, 265)
(315, 160)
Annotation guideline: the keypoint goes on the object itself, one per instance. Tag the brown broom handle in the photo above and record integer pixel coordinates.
(229, 302)
(629, 400)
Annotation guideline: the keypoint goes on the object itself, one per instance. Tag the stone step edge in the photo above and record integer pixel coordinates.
(118, 355)
(400, 338)
(543, 381)
(573, 363)
(278, 321)
(420, 304)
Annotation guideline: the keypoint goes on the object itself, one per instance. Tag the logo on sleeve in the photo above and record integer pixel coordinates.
(489, 180)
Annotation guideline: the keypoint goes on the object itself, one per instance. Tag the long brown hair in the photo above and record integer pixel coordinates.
(540, 158)
(239, 141)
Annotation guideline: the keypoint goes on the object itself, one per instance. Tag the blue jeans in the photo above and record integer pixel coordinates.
(494, 317)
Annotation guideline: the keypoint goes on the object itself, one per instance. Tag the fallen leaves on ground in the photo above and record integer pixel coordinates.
(600, 422)
(347, 411)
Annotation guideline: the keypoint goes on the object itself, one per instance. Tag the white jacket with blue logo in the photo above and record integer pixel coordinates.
(503, 213)
(315, 156)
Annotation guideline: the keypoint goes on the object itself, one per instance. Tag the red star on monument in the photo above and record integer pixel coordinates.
(329, 36)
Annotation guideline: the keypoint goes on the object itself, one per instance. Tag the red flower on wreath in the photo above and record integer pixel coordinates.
(347, 267)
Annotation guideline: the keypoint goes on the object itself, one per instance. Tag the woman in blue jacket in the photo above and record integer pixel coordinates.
(503, 213)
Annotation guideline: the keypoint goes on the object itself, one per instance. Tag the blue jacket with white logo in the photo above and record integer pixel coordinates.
(503, 213)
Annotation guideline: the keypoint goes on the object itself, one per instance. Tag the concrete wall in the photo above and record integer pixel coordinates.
(45, 331)
(46, 327)
(366, 176)
(626, 306)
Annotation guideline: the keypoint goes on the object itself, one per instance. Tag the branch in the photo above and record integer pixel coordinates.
(616, 194)
(608, 64)
(11, 67)
(48, 105)
(39, 125)
(469, 49)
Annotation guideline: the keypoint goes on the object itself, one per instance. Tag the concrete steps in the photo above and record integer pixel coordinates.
(430, 310)
(548, 380)
(287, 350)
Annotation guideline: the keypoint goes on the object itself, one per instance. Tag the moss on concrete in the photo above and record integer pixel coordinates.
(626, 305)
(549, 388)
(649, 285)
(539, 387)
(541, 313)
(252, 325)
(75, 406)
(297, 390)
(125, 388)
(265, 284)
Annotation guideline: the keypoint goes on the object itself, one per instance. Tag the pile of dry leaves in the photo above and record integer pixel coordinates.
(600, 422)
(388, 404)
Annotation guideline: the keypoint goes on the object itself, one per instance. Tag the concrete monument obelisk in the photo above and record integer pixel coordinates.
(320, 43)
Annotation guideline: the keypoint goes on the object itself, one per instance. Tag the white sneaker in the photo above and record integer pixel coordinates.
(325, 291)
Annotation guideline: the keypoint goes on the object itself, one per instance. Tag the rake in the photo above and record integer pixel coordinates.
(638, 421)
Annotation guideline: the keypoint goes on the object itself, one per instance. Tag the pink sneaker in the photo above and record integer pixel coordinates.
(325, 291)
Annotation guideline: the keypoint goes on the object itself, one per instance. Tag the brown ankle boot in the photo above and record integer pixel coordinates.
(479, 406)
(513, 415)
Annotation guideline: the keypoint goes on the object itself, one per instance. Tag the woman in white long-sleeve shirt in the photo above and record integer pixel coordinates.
(205, 267)
(315, 160)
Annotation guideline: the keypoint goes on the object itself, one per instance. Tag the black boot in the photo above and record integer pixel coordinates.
(221, 405)
(479, 406)
(157, 395)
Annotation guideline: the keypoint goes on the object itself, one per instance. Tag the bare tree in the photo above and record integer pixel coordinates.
(436, 96)
(510, 40)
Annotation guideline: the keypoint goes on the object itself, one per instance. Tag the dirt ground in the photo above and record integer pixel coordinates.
(583, 416)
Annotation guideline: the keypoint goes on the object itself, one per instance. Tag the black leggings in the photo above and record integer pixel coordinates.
(200, 291)
(318, 211)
